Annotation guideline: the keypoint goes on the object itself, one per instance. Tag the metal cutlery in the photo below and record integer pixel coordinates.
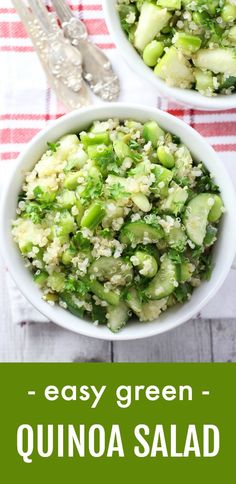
(71, 99)
(97, 69)
(64, 60)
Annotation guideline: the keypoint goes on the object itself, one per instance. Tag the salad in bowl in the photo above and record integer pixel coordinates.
(185, 48)
(189, 44)
(118, 221)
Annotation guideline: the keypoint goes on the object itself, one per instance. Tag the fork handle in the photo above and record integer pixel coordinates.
(63, 10)
(41, 13)
(73, 28)
(71, 99)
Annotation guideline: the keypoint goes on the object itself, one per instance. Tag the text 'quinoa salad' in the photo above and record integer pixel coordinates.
(118, 221)
(189, 43)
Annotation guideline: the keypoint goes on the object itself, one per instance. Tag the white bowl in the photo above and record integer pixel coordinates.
(186, 97)
(73, 123)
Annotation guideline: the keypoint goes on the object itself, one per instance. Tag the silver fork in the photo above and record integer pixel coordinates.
(97, 69)
(64, 60)
(71, 99)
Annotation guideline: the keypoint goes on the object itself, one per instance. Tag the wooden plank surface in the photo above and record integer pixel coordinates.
(195, 341)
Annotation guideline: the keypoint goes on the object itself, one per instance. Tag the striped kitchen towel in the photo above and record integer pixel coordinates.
(27, 104)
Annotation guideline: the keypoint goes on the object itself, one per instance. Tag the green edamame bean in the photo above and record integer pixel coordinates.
(146, 263)
(93, 215)
(152, 52)
(228, 13)
(89, 139)
(216, 210)
(165, 157)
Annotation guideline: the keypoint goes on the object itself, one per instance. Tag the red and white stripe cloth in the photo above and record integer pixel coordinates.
(27, 104)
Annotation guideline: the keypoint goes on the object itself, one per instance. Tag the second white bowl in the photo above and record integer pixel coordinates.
(186, 97)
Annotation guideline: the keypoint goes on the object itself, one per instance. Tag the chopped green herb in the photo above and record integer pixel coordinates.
(117, 191)
(93, 189)
(53, 146)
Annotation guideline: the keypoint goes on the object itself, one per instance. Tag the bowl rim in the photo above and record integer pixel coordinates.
(187, 97)
(56, 313)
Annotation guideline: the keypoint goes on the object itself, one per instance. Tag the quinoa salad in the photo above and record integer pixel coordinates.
(118, 222)
(190, 44)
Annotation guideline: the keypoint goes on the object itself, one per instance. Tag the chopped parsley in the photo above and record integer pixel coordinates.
(117, 191)
(53, 146)
(93, 189)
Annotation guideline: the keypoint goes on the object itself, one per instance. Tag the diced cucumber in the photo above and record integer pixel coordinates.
(133, 301)
(216, 60)
(68, 255)
(212, 6)
(95, 151)
(71, 180)
(121, 149)
(110, 297)
(151, 310)
(201, 18)
(67, 146)
(140, 233)
(67, 199)
(142, 168)
(189, 44)
(170, 4)
(146, 263)
(117, 212)
(76, 160)
(117, 316)
(183, 164)
(62, 238)
(72, 304)
(204, 82)
(228, 13)
(196, 217)
(163, 179)
(165, 281)
(152, 132)
(41, 277)
(232, 35)
(142, 202)
(175, 69)
(66, 225)
(115, 180)
(93, 215)
(152, 52)
(94, 138)
(216, 210)
(210, 236)
(50, 297)
(56, 281)
(95, 173)
(165, 157)
(186, 271)
(176, 199)
(25, 246)
(177, 238)
(151, 21)
(102, 155)
(105, 268)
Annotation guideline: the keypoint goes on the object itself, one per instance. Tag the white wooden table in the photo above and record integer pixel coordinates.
(195, 341)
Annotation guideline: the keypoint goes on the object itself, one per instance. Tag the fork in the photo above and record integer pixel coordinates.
(97, 69)
(64, 60)
(71, 99)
